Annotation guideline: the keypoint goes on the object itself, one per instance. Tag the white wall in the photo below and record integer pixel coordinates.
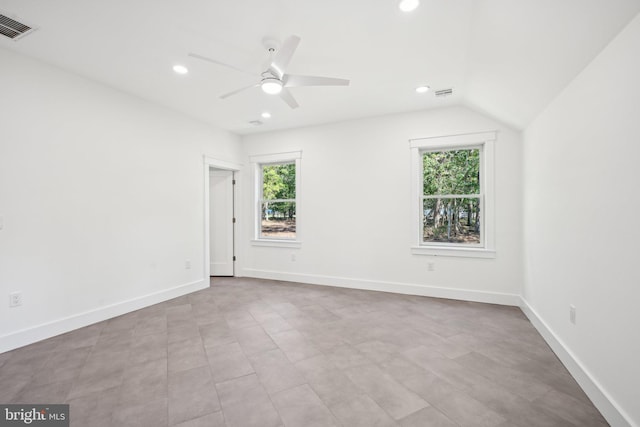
(581, 207)
(102, 198)
(354, 210)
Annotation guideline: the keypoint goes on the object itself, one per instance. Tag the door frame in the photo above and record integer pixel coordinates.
(211, 162)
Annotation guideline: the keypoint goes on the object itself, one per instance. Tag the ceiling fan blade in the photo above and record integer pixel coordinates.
(283, 56)
(204, 58)
(291, 80)
(226, 95)
(288, 98)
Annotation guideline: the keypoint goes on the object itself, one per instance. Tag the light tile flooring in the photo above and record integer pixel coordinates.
(249, 352)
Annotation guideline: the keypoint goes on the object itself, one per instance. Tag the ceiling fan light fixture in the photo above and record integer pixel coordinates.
(271, 85)
(180, 69)
(408, 5)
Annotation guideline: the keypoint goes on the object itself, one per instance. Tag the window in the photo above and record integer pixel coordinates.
(278, 201)
(451, 198)
(277, 179)
(453, 195)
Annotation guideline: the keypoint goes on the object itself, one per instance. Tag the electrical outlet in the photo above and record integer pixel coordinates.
(572, 314)
(293, 257)
(15, 299)
(431, 266)
(187, 264)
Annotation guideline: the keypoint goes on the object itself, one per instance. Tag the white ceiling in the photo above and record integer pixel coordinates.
(507, 58)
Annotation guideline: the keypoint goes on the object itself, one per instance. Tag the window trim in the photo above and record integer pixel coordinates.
(484, 140)
(257, 161)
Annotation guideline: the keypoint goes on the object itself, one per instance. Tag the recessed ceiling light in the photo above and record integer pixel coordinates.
(422, 89)
(271, 85)
(408, 5)
(180, 69)
(266, 115)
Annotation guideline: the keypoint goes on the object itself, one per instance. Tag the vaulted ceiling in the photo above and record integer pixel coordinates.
(507, 58)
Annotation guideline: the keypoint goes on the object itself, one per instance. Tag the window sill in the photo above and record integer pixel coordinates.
(453, 252)
(277, 243)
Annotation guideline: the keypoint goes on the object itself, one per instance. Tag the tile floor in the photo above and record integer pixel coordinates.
(249, 352)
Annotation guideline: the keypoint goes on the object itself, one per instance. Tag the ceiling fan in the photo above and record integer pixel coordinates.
(274, 80)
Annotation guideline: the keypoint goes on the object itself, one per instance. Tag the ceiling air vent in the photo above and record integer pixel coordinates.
(12, 28)
(444, 92)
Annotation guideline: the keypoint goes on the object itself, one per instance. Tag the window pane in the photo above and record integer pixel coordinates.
(278, 220)
(451, 220)
(451, 172)
(279, 181)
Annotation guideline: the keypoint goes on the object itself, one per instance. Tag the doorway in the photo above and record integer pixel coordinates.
(221, 222)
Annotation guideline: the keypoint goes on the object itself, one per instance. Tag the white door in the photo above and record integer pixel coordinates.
(221, 222)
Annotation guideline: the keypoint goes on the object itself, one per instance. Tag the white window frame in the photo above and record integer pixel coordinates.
(483, 140)
(257, 162)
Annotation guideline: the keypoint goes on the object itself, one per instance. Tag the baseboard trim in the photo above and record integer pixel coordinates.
(50, 329)
(611, 411)
(383, 286)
